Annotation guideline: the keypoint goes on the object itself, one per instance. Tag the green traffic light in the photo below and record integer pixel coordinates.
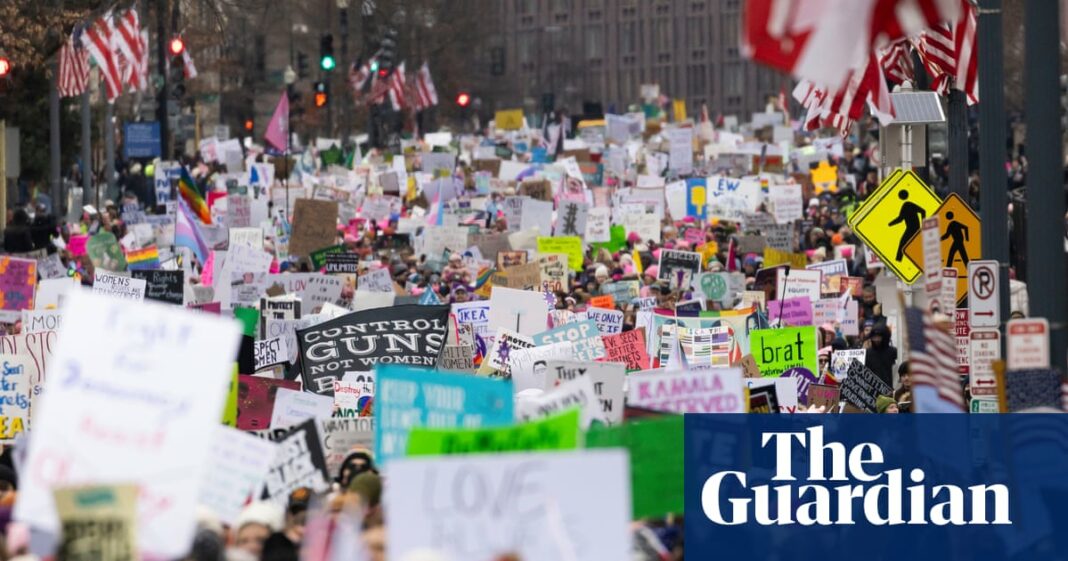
(327, 63)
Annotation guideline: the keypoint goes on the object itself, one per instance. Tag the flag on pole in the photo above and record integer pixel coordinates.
(426, 95)
(933, 363)
(73, 66)
(188, 68)
(278, 129)
(193, 197)
(896, 62)
(97, 39)
(187, 233)
(949, 53)
(396, 88)
(134, 50)
(839, 108)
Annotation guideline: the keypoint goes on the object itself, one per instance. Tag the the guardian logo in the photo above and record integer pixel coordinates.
(880, 497)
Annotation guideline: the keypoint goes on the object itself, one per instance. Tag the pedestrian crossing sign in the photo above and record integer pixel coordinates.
(891, 216)
(959, 231)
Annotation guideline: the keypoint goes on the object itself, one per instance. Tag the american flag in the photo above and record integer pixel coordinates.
(840, 108)
(949, 53)
(133, 47)
(397, 85)
(896, 61)
(359, 74)
(73, 67)
(426, 95)
(933, 359)
(98, 40)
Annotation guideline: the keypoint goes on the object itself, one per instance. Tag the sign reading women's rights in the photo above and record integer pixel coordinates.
(356, 342)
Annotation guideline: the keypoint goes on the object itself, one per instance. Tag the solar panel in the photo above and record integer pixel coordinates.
(917, 108)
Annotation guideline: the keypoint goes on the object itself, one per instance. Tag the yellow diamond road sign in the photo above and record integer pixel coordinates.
(959, 231)
(891, 216)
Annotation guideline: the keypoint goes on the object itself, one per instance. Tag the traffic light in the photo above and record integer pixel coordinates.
(302, 66)
(177, 46)
(249, 125)
(326, 53)
(5, 67)
(463, 99)
(386, 52)
(176, 74)
(321, 95)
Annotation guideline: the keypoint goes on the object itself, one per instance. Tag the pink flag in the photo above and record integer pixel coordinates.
(278, 129)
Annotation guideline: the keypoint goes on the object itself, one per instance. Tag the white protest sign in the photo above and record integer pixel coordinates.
(523, 311)
(377, 280)
(609, 322)
(716, 390)
(574, 393)
(607, 378)
(119, 286)
(797, 283)
(36, 321)
(363, 300)
(840, 361)
(528, 366)
(292, 407)
(237, 464)
(785, 391)
(321, 290)
(136, 389)
(785, 202)
(533, 505)
(598, 225)
(270, 352)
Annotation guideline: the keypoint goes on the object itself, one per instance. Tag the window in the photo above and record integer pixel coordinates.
(698, 80)
(628, 38)
(526, 7)
(697, 32)
(525, 51)
(662, 35)
(594, 43)
(730, 35)
(561, 6)
(733, 79)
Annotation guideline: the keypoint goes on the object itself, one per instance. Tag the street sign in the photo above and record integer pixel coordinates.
(1028, 344)
(932, 264)
(948, 289)
(959, 235)
(962, 330)
(983, 293)
(891, 217)
(984, 349)
(984, 405)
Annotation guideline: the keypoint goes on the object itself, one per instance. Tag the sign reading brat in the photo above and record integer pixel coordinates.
(356, 342)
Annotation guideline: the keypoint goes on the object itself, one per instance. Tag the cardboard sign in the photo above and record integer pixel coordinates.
(827, 397)
(152, 379)
(628, 348)
(18, 280)
(270, 352)
(560, 432)
(314, 226)
(607, 378)
(119, 286)
(237, 465)
(717, 390)
(422, 492)
(778, 350)
(298, 462)
(679, 268)
(163, 286)
(410, 334)
(98, 522)
(377, 280)
(862, 387)
(255, 400)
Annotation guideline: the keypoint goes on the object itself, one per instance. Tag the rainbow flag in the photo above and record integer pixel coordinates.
(193, 197)
(143, 259)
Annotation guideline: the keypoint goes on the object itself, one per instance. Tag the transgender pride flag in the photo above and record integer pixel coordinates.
(187, 233)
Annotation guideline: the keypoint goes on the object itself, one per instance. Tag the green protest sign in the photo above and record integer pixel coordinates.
(318, 257)
(656, 461)
(560, 432)
(617, 239)
(784, 348)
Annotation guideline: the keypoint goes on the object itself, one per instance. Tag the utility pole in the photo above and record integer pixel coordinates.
(957, 125)
(992, 178)
(1045, 176)
(109, 148)
(56, 184)
(87, 147)
(161, 66)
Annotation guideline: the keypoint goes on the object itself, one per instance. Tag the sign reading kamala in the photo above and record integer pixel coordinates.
(923, 487)
(356, 342)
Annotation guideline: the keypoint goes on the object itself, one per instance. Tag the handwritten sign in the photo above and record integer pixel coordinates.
(717, 390)
(607, 379)
(237, 465)
(163, 286)
(629, 348)
(292, 407)
(791, 311)
(560, 432)
(98, 522)
(298, 462)
(118, 286)
(582, 334)
(18, 279)
(567, 245)
(14, 396)
(609, 322)
(778, 350)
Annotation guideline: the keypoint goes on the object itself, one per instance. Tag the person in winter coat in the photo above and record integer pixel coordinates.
(881, 356)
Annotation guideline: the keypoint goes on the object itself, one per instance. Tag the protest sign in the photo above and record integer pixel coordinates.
(354, 398)
(679, 268)
(785, 389)
(862, 387)
(774, 257)
(410, 397)
(520, 310)
(607, 378)
(144, 374)
(298, 462)
(731, 199)
(293, 407)
(559, 432)
(421, 492)
(717, 390)
(250, 237)
(834, 267)
(840, 361)
(314, 226)
(778, 350)
(237, 465)
(656, 461)
(18, 279)
(98, 522)
(603, 301)
(37, 321)
(609, 322)
(342, 436)
(528, 367)
(623, 292)
(505, 342)
(270, 352)
(118, 286)
(282, 308)
(341, 263)
(255, 400)
(410, 334)
(105, 252)
(570, 394)
(321, 290)
(15, 393)
(627, 347)
(569, 246)
(827, 397)
(163, 286)
(50, 267)
(785, 202)
(537, 216)
(583, 334)
(572, 219)
(459, 358)
(791, 311)
(798, 283)
(598, 223)
(377, 280)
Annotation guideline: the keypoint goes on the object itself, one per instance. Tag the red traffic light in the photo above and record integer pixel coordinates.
(320, 99)
(5, 66)
(248, 124)
(463, 100)
(177, 46)
(382, 72)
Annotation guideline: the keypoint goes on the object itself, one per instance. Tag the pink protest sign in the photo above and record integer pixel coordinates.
(76, 245)
(796, 312)
(18, 279)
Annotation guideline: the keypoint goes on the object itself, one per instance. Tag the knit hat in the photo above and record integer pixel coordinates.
(368, 485)
(263, 513)
(883, 402)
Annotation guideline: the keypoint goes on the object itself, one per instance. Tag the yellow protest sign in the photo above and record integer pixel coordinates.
(567, 245)
(891, 216)
(509, 119)
(825, 178)
(774, 257)
(637, 258)
(678, 107)
(961, 242)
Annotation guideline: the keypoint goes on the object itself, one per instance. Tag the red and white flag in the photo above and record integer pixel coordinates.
(821, 40)
(426, 95)
(949, 53)
(933, 364)
(73, 67)
(839, 108)
(133, 47)
(188, 68)
(397, 84)
(97, 39)
(896, 62)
